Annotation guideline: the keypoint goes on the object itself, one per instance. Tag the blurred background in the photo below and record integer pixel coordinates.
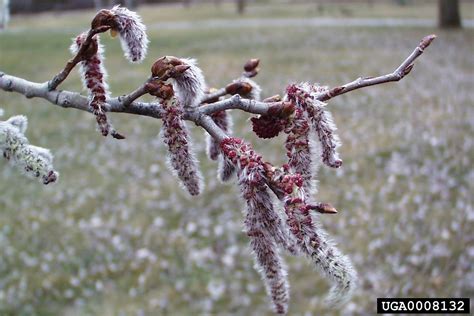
(117, 236)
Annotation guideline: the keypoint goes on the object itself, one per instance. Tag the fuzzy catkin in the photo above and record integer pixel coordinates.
(313, 241)
(262, 222)
(298, 150)
(35, 162)
(93, 75)
(181, 158)
(133, 37)
(190, 85)
(304, 97)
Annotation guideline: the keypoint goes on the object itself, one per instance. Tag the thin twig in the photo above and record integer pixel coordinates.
(403, 70)
(214, 95)
(127, 99)
(60, 77)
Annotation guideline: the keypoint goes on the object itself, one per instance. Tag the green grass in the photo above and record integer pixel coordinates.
(404, 193)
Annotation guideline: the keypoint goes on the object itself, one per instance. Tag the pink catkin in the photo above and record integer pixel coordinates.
(263, 224)
(93, 75)
(304, 96)
(313, 241)
(298, 150)
(309, 237)
(181, 159)
(133, 37)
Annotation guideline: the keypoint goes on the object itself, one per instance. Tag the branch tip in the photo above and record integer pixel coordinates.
(426, 41)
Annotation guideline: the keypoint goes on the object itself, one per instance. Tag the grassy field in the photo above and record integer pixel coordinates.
(116, 235)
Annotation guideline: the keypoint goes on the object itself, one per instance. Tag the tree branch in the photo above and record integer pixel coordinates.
(60, 77)
(68, 99)
(199, 115)
(399, 73)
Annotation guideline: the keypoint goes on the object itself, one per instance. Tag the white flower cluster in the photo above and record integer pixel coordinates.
(32, 160)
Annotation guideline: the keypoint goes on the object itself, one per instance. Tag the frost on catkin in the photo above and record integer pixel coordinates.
(133, 37)
(35, 162)
(181, 158)
(190, 85)
(304, 96)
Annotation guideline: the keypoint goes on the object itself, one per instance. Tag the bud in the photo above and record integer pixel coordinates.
(238, 87)
(187, 79)
(251, 64)
(104, 18)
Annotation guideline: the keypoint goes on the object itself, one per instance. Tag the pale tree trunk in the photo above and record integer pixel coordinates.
(241, 6)
(4, 13)
(449, 16)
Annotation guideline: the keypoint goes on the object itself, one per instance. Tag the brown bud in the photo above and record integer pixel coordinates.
(275, 98)
(168, 67)
(282, 110)
(181, 68)
(210, 91)
(175, 61)
(408, 69)
(160, 67)
(165, 92)
(104, 18)
(241, 88)
(323, 208)
(335, 91)
(251, 64)
(117, 135)
(160, 90)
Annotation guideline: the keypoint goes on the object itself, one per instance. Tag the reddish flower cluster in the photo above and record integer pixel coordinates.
(93, 75)
(304, 97)
(267, 126)
(263, 224)
(176, 136)
(255, 177)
